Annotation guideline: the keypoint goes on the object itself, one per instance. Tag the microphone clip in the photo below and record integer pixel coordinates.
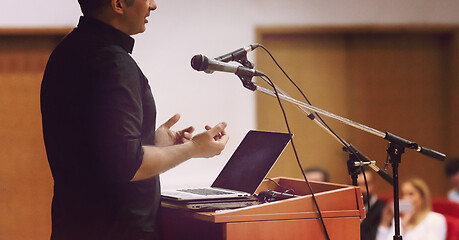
(247, 82)
(244, 61)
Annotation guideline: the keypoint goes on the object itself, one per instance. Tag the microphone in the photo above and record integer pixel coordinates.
(202, 63)
(237, 54)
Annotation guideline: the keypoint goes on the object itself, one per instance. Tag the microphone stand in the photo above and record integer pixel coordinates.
(395, 150)
(387, 136)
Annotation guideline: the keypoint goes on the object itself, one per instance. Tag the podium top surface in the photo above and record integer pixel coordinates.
(334, 200)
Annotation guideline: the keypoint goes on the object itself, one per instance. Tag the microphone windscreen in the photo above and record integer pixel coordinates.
(199, 62)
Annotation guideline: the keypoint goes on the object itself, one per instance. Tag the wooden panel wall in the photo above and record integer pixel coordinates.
(400, 85)
(395, 79)
(25, 179)
(317, 63)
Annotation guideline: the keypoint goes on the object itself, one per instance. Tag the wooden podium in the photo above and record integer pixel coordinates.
(295, 218)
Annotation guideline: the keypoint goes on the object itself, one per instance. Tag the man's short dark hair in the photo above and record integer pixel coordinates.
(92, 6)
(452, 167)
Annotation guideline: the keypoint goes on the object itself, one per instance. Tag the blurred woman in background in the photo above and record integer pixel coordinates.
(417, 221)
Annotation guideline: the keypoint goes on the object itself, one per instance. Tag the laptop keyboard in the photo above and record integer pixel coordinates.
(205, 191)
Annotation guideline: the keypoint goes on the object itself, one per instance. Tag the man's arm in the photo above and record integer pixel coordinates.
(157, 160)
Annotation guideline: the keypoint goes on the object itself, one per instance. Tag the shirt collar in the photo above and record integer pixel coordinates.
(108, 32)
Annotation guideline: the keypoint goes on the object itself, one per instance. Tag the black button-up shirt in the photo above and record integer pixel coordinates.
(97, 112)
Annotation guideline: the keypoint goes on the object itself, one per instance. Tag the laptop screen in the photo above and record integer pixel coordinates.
(251, 161)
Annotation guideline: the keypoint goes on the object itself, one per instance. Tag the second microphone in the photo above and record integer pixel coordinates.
(202, 63)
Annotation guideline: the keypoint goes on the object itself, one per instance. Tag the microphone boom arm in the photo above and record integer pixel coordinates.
(387, 136)
(363, 159)
(323, 112)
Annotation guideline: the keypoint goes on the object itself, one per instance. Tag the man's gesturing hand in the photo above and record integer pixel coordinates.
(211, 142)
(164, 136)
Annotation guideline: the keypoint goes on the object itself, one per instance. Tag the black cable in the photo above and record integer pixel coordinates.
(307, 100)
(366, 187)
(286, 189)
(321, 121)
(296, 155)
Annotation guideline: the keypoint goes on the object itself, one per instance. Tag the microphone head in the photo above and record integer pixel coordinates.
(199, 62)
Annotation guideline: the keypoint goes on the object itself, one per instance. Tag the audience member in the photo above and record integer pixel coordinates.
(317, 174)
(369, 226)
(417, 221)
(452, 172)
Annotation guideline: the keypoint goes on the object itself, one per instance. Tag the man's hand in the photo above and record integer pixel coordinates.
(164, 136)
(170, 153)
(211, 142)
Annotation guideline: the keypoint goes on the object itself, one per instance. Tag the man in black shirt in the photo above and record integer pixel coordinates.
(369, 226)
(99, 120)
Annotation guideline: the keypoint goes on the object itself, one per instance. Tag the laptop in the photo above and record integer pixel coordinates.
(244, 171)
(210, 204)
